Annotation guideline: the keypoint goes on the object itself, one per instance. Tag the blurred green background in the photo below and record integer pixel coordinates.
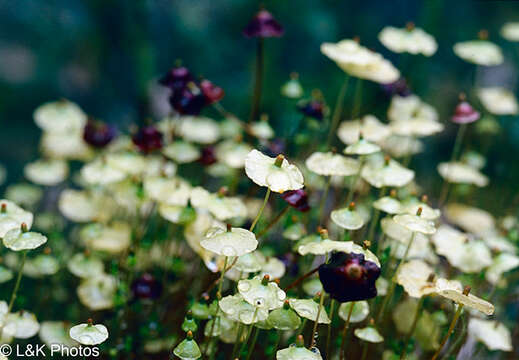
(107, 54)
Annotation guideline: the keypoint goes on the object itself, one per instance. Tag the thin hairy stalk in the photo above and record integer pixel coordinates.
(237, 340)
(460, 338)
(389, 294)
(357, 99)
(265, 200)
(15, 289)
(449, 332)
(376, 215)
(273, 222)
(455, 152)
(321, 302)
(324, 198)
(345, 332)
(413, 327)
(258, 81)
(329, 334)
(253, 343)
(354, 181)
(251, 326)
(337, 112)
(301, 278)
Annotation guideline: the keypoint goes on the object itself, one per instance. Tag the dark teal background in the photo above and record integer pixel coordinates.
(106, 54)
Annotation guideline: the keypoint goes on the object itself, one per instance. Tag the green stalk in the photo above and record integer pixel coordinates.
(355, 179)
(251, 326)
(449, 332)
(457, 146)
(253, 343)
(376, 215)
(273, 222)
(18, 281)
(324, 198)
(329, 335)
(413, 327)
(316, 322)
(357, 99)
(237, 341)
(389, 294)
(258, 81)
(337, 111)
(265, 200)
(345, 332)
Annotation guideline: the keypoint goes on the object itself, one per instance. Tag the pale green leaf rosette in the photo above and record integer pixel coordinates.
(261, 293)
(251, 262)
(188, 349)
(220, 206)
(410, 39)
(275, 173)
(480, 52)
(237, 309)
(308, 308)
(369, 334)
(40, 266)
(21, 325)
(389, 205)
(460, 173)
(452, 290)
(427, 212)
(5, 274)
(21, 239)
(261, 129)
(328, 164)
(113, 239)
(24, 194)
(312, 287)
(12, 217)
(97, 293)
(347, 218)
(171, 191)
(61, 116)
(327, 246)
(284, 318)
(494, 335)
(298, 351)
(85, 266)
(415, 223)
(389, 173)
(56, 332)
(235, 242)
(502, 263)
(362, 147)
(181, 152)
(274, 268)
(100, 172)
(232, 153)
(360, 311)
(89, 334)
(295, 231)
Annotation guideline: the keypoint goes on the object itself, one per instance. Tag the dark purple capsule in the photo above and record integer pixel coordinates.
(211, 92)
(148, 139)
(312, 108)
(263, 25)
(177, 78)
(208, 156)
(399, 87)
(98, 134)
(187, 101)
(146, 287)
(349, 277)
(298, 199)
(465, 114)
